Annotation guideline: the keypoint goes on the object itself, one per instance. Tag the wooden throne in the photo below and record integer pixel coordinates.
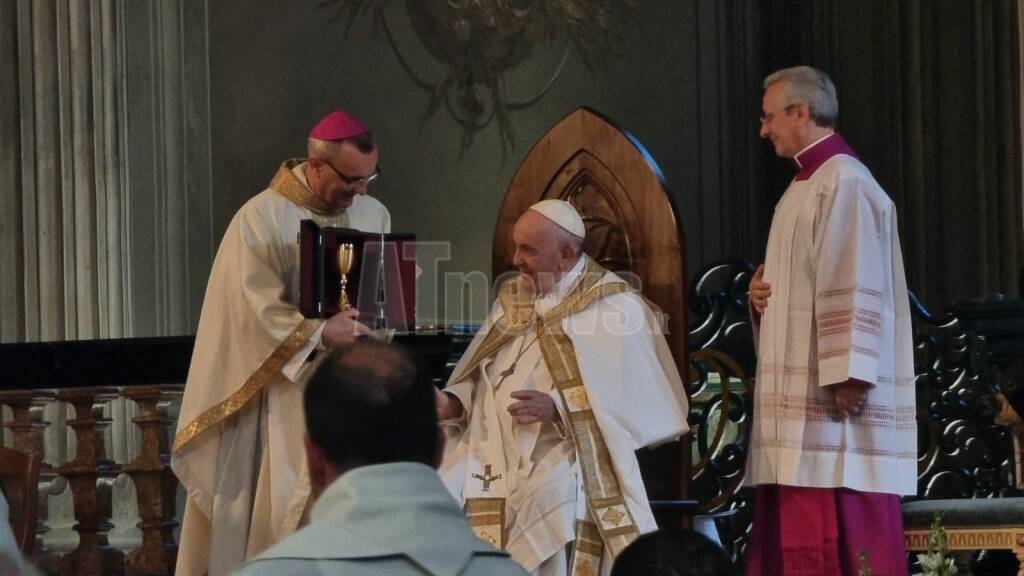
(631, 227)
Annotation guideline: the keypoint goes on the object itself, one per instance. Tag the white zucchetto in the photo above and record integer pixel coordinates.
(562, 213)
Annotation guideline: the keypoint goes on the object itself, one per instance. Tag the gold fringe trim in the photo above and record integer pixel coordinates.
(288, 185)
(271, 366)
(487, 519)
(605, 500)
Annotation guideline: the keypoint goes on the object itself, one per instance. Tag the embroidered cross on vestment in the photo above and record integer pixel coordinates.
(486, 477)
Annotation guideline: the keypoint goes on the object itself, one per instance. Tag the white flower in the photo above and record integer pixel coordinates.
(930, 562)
(935, 563)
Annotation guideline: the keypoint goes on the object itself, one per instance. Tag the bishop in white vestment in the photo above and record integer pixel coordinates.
(566, 379)
(238, 448)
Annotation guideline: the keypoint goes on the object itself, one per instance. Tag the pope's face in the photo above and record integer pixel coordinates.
(538, 252)
(343, 176)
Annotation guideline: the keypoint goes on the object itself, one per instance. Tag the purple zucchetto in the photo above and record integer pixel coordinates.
(338, 126)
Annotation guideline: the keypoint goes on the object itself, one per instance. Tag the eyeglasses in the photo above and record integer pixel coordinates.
(354, 180)
(766, 118)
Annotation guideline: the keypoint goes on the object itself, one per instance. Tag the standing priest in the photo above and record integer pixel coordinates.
(566, 379)
(238, 448)
(834, 442)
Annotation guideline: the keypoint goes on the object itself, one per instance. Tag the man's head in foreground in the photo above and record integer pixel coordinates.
(369, 403)
(673, 552)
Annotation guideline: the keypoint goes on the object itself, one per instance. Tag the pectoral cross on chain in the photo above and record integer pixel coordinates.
(486, 478)
(523, 347)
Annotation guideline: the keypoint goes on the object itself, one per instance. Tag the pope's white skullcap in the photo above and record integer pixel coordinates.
(562, 213)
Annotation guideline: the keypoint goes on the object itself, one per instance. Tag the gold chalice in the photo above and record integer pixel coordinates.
(346, 259)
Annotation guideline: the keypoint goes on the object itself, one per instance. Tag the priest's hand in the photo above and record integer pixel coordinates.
(759, 291)
(850, 397)
(343, 328)
(448, 405)
(532, 407)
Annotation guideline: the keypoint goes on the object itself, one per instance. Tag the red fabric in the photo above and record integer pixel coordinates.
(873, 522)
(337, 126)
(820, 531)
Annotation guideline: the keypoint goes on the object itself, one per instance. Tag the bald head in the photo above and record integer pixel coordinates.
(371, 403)
(544, 251)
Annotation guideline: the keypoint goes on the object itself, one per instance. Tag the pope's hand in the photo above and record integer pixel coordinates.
(532, 406)
(343, 328)
(759, 291)
(448, 405)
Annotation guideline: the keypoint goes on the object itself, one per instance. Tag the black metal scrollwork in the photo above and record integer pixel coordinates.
(721, 394)
(963, 452)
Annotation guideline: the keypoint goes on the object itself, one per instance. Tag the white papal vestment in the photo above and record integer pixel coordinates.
(524, 486)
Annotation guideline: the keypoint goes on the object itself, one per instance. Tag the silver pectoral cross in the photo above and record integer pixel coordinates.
(486, 477)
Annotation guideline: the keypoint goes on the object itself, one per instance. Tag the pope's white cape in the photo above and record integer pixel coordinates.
(631, 380)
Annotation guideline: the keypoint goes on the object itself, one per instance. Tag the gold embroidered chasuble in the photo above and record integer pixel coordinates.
(245, 380)
(586, 353)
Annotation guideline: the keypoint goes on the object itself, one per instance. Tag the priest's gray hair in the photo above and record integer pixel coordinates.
(812, 86)
(324, 149)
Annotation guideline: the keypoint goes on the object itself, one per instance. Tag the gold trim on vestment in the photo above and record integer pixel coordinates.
(613, 521)
(518, 311)
(587, 550)
(271, 366)
(287, 184)
(604, 497)
(486, 517)
(605, 500)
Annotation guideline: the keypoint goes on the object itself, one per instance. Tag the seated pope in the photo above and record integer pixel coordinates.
(568, 376)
